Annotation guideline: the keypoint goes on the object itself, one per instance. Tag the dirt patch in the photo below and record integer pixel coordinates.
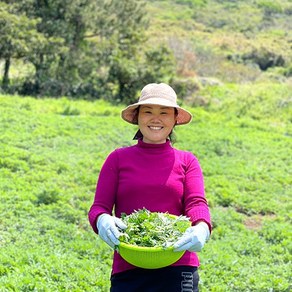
(254, 222)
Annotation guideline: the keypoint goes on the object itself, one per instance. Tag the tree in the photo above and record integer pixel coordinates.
(18, 35)
(20, 39)
(85, 46)
(131, 74)
(93, 31)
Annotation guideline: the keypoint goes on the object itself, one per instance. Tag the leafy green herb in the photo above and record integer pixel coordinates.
(153, 229)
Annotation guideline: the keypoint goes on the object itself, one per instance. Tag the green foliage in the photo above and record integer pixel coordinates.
(77, 39)
(153, 229)
(107, 49)
(185, 87)
(47, 197)
(49, 166)
(69, 111)
(18, 37)
(288, 71)
(270, 7)
(233, 41)
(192, 3)
(159, 65)
(128, 75)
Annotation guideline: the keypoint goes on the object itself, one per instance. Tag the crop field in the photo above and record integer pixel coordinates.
(51, 151)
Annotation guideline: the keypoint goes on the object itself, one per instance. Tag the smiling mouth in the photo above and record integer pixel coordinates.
(155, 128)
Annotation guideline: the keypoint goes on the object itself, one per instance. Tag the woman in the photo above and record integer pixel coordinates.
(153, 175)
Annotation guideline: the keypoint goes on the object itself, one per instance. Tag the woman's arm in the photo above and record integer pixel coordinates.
(106, 188)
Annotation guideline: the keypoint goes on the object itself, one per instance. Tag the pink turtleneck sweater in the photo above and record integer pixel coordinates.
(157, 177)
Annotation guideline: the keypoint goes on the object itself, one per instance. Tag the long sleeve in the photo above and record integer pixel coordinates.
(196, 206)
(157, 177)
(106, 189)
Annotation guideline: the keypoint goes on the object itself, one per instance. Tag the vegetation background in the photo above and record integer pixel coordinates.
(69, 67)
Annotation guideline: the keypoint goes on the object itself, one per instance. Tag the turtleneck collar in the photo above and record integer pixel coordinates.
(162, 146)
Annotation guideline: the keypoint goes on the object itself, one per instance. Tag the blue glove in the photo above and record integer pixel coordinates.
(194, 238)
(107, 226)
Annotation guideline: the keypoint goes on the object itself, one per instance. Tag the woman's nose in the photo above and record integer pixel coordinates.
(156, 118)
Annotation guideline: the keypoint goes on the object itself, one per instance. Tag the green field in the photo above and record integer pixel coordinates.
(51, 154)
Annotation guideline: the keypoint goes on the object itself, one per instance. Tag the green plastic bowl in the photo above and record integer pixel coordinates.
(148, 257)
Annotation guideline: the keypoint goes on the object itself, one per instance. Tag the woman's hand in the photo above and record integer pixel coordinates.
(108, 231)
(194, 238)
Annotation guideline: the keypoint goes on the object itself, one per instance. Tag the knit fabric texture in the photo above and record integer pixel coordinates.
(157, 177)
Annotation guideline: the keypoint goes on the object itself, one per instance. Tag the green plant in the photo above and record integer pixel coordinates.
(153, 229)
(242, 140)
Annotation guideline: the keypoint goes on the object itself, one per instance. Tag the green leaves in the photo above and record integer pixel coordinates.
(153, 229)
(51, 154)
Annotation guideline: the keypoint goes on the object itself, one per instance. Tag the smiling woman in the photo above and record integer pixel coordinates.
(157, 103)
(155, 176)
(156, 123)
(157, 94)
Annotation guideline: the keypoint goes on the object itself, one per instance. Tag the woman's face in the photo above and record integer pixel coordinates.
(156, 122)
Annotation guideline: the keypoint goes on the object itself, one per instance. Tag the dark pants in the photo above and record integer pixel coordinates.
(168, 279)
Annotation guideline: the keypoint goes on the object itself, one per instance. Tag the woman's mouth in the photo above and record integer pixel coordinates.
(155, 128)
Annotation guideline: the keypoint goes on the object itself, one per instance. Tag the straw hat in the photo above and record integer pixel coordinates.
(157, 94)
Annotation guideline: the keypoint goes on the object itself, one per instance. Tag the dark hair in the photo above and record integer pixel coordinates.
(135, 115)
(139, 134)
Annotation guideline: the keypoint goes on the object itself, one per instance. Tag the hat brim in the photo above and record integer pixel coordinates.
(183, 117)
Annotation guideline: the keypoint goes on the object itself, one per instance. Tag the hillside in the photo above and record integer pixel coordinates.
(51, 154)
(234, 41)
(226, 41)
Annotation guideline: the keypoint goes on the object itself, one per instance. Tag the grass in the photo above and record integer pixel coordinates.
(51, 154)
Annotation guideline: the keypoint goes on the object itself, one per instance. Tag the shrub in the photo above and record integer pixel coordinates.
(47, 197)
(270, 7)
(185, 87)
(264, 58)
